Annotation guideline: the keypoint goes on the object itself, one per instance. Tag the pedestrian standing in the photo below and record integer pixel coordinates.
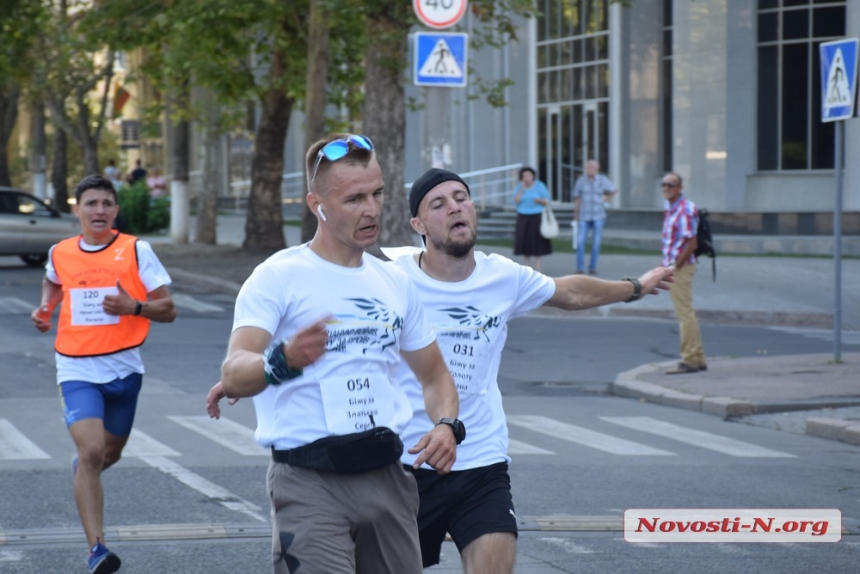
(590, 193)
(111, 285)
(680, 222)
(331, 323)
(530, 197)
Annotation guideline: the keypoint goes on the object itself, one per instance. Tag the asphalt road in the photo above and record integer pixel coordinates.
(579, 454)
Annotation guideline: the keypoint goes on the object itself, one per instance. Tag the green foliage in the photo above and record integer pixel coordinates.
(139, 213)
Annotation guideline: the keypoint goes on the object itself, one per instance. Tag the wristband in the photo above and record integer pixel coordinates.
(138, 307)
(637, 289)
(275, 365)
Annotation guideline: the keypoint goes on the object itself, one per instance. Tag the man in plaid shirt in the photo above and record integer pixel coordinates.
(679, 245)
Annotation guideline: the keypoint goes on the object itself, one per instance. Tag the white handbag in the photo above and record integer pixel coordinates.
(548, 223)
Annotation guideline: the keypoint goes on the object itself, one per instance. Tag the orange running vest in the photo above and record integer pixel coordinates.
(82, 270)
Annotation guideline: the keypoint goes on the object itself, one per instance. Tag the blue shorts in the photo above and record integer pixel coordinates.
(114, 402)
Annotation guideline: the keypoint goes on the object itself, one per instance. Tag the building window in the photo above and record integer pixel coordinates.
(573, 90)
(790, 133)
(666, 72)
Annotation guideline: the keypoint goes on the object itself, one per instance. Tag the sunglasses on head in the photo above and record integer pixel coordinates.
(336, 149)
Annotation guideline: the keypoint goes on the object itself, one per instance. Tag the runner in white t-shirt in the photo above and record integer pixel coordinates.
(317, 334)
(468, 298)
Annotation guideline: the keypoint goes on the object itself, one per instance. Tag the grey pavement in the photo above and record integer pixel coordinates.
(789, 292)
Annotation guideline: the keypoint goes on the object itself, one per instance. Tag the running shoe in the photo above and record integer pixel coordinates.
(102, 560)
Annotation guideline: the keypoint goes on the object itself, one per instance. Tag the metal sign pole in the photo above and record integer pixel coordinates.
(837, 241)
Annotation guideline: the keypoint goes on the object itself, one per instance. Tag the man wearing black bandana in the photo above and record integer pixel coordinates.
(468, 298)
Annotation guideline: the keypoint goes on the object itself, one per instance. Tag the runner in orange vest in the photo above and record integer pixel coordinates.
(111, 286)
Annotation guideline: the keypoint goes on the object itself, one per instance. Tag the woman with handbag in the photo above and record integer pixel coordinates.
(530, 197)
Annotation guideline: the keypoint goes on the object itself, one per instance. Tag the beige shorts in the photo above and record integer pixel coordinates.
(329, 523)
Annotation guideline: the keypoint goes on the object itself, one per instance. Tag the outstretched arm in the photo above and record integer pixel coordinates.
(574, 292)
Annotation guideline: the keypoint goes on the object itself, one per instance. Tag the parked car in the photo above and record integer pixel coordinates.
(29, 226)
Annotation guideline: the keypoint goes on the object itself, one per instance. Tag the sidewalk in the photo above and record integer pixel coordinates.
(784, 291)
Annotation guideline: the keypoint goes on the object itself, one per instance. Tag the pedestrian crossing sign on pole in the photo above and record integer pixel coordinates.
(838, 79)
(441, 59)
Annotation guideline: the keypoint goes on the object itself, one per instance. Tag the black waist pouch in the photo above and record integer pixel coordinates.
(346, 454)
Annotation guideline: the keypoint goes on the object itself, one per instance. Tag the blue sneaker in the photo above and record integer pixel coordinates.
(102, 560)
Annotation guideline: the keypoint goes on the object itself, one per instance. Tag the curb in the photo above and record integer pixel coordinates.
(214, 283)
(627, 384)
(834, 429)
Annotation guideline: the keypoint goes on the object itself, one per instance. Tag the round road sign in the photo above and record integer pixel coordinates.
(439, 14)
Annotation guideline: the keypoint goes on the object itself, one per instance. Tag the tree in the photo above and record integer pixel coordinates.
(255, 49)
(70, 61)
(18, 29)
(384, 115)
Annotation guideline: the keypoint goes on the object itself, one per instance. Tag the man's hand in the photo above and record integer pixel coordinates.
(438, 448)
(307, 345)
(41, 318)
(120, 304)
(216, 393)
(656, 279)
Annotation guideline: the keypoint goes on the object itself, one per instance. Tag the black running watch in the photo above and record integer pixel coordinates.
(456, 425)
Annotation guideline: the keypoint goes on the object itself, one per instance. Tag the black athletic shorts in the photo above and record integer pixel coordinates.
(467, 504)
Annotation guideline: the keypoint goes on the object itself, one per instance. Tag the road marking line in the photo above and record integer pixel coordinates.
(15, 446)
(229, 434)
(189, 302)
(519, 447)
(210, 490)
(141, 444)
(15, 305)
(698, 438)
(584, 436)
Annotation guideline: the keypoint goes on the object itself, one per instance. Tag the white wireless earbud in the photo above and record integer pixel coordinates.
(320, 211)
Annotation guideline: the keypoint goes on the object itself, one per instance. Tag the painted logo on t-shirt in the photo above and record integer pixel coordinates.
(374, 326)
(472, 319)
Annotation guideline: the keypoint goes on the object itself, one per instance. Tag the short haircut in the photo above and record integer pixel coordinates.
(354, 156)
(94, 182)
(680, 179)
(527, 169)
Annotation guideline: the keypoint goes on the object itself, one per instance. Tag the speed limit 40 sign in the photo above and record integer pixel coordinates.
(439, 14)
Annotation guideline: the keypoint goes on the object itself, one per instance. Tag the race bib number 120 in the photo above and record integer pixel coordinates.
(87, 306)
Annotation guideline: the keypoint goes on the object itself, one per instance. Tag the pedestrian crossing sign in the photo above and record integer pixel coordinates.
(838, 79)
(440, 59)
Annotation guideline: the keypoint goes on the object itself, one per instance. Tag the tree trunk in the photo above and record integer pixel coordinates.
(180, 154)
(264, 225)
(39, 153)
(207, 204)
(315, 95)
(8, 115)
(384, 118)
(60, 171)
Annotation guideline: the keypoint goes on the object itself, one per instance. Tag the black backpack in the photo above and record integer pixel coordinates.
(706, 240)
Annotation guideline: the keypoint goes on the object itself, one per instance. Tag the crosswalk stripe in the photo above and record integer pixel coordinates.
(229, 434)
(698, 438)
(15, 446)
(141, 444)
(15, 305)
(519, 447)
(584, 437)
(189, 302)
(209, 489)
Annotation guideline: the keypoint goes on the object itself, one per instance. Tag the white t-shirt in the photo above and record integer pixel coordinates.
(470, 319)
(351, 388)
(106, 368)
